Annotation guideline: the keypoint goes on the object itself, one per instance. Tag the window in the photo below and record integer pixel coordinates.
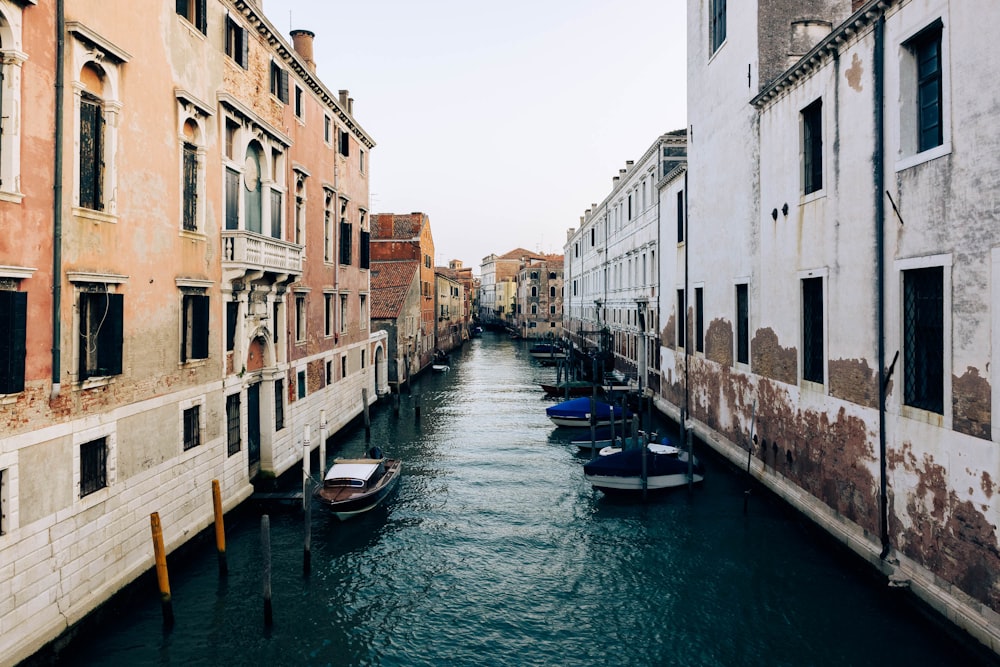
(252, 208)
(812, 330)
(237, 44)
(327, 129)
(742, 324)
(343, 366)
(923, 338)
(232, 313)
(300, 110)
(346, 233)
(681, 318)
(192, 427)
(93, 466)
(279, 82)
(812, 147)
(301, 377)
(926, 49)
(552, 310)
(534, 309)
(91, 152)
(717, 32)
(300, 213)
(363, 316)
(276, 204)
(233, 423)
(232, 130)
(194, 327)
(364, 357)
(699, 319)
(100, 333)
(194, 12)
(328, 227)
(552, 292)
(630, 206)
(329, 372)
(328, 314)
(190, 215)
(13, 329)
(344, 147)
(361, 160)
(279, 405)
(12, 57)
(300, 319)
(534, 291)
(552, 275)
(232, 199)
(343, 313)
(364, 261)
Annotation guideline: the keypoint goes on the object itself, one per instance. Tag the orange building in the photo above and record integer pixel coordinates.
(183, 283)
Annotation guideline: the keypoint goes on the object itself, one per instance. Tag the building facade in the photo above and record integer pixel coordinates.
(844, 256)
(540, 297)
(612, 265)
(163, 272)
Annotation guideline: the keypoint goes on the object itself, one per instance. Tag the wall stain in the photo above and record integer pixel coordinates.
(971, 404)
(948, 536)
(987, 484)
(719, 342)
(854, 380)
(854, 72)
(769, 359)
(667, 336)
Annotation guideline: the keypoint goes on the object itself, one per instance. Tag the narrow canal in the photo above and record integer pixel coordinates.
(495, 551)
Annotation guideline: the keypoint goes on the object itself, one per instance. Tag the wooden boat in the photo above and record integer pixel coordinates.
(354, 486)
(576, 412)
(621, 472)
(575, 387)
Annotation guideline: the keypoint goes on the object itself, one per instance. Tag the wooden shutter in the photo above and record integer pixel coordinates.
(202, 16)
(109, 338)
(13, 327)
(245, 46)
(190, 188)
(365, 244)
(283, 90)
(232, 199)
(199, 326)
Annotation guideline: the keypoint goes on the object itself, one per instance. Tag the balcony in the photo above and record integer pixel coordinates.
(248, 254)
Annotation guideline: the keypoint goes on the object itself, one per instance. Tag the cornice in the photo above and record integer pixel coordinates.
(827, 47)
(255, 17)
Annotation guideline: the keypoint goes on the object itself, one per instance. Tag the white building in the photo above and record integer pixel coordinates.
(611, 264)
(842, 250)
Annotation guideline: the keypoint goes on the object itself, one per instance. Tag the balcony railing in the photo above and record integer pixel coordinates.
(253, 251)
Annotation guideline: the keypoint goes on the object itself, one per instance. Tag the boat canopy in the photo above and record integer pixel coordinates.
(342, 473)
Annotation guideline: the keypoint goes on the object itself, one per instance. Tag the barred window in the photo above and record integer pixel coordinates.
(93, 466)
(233, 423)
(923, 338)
(279, 405)
(192, 427)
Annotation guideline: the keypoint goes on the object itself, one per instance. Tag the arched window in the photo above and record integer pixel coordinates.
(251, 185)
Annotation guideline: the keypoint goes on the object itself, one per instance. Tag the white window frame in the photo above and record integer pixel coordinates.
(12, 58)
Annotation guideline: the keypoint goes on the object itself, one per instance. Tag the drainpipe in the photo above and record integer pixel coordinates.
(685, 413)
(57, 203)
(878, 72)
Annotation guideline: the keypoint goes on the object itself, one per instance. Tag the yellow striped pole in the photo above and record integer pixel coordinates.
(160, 556)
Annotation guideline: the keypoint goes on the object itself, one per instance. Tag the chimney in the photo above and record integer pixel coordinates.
(621, 172)
(350, 106)
(343, 98)
(629, 163)
(302, 42)
(614, 181)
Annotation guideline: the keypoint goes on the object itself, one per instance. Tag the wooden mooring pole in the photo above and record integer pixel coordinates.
(160, 556)
(220, 528)
(265, 547)
(307, 545)
(322, 444)
(368, 420)
(306, 465)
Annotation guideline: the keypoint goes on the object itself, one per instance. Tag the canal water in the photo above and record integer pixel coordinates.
(496, 551)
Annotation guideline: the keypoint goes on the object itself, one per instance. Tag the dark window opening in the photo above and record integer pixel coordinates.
(699, 319)
(190, 188)
(927, 51)
(812, 147)
(13, 337)
(100, 334)
(237, 44)
(681, 318)
(923, 338)
(233, 423)
(192, 427)
(365, 259)
(232, 312)
(279, 82)
(346, 236)
(279, 405)
(194, 327)
(91, 153)
(195, 12)
(742, 324)
(93, 466)
(812, 330)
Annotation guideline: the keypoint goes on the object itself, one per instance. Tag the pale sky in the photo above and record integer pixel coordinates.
(503, 121)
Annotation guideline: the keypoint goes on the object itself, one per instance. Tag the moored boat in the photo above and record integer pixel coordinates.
(354, 486)
(547, 352)
(576, 412)
(573, 387)
(622, 472)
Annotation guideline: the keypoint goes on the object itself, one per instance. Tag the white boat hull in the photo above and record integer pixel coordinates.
(635, 483)
(578, 423)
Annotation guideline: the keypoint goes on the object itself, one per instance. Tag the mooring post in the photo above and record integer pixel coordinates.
(307, 546)
(322, 444)
(265, 548)
(160, 556)
(368, 421)
(306, 465)
(220, 528)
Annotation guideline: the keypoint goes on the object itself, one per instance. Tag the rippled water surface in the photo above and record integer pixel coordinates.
(495, 551)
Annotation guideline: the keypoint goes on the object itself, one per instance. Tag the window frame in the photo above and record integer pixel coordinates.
(930, 396)
(234, 427)
(811, 147)
(237, 42)
(93, 468)
(195, 325)
(717, 25)
(812, 290)
(741, 353)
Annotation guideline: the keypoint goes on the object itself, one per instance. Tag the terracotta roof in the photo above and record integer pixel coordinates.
(390, 281)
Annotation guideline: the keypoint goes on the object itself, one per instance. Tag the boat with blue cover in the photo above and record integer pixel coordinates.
(576, 412)
(622, 472)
